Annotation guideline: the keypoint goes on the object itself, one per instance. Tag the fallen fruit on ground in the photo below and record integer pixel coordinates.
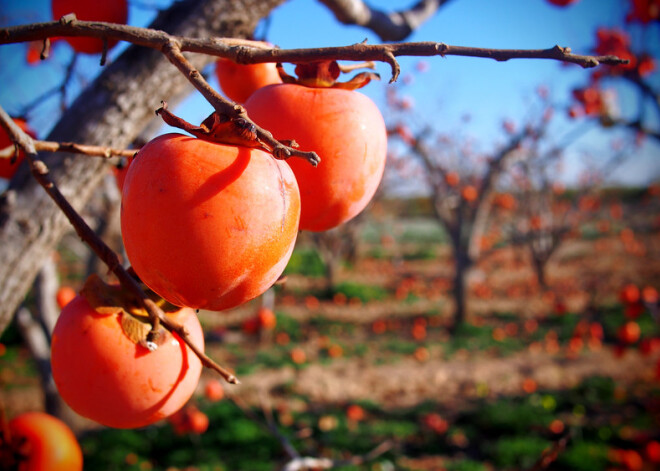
(207, 225)
(103, 369)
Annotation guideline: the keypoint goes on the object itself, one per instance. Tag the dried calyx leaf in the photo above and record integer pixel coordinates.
(220, 129)
(324, 74)
(111, 299)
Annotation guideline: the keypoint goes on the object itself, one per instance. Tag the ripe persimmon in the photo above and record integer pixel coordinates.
(40, 442)
(7, 168)
(469, 193)
(347, 131)
(104, 373)
(206, 225)
(239, 81)
(64, 295)
(110, 11)
(267, 318)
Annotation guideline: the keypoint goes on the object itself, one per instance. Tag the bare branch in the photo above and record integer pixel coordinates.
(246, 52)
(72, 148)
(392, 26)
(231, 110)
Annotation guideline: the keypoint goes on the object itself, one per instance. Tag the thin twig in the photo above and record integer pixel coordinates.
(551, 454)
(226, 108)
(105, 253)
(245, 52)
(269, 426)
(72, 148)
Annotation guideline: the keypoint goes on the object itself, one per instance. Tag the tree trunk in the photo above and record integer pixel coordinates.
(460, 278)
(539, 263)
(111, 111)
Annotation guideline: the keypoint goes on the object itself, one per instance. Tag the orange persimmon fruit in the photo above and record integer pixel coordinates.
(206, 225)
(240, 81)
(64, 295)
(109, 11)
(347, 131)
(104, 373)
(44, 443)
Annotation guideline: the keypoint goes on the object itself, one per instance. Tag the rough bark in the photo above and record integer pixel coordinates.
(112, 111)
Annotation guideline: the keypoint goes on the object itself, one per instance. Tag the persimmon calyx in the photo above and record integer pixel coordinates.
(324, 74)
(224, 130)
(109, 300)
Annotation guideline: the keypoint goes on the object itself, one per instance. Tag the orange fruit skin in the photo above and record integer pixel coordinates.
(206, 225)
(239, 81)
(104, 376)
(345, 128)
(110, 11)
(50, 443)
(7, 169)
(64, 295)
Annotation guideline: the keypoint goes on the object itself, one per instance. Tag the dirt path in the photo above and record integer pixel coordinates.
(409, 382)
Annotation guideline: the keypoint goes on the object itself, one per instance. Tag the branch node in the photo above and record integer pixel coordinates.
(40, 167)
(441, 49)
(68, 18)
(45, 50)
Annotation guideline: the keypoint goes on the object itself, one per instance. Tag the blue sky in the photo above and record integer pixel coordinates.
(454, 87)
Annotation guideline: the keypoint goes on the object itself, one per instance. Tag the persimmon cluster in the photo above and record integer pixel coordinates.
(593, 100)
(209, 222)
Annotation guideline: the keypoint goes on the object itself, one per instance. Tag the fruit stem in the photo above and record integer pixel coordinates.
(231, 112)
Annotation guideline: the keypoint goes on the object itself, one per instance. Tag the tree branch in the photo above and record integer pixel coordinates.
(72, 148)
(246, 52)
(231, 110)
(392, 26)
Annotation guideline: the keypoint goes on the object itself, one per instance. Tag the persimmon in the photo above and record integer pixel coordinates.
(207, 225)
(355, 413)
(452, 178)
(104, 371)
(630, 294)
(469, 193)
(436, 422)
(267, 318)
(629, 332)
(240, 81)
(110, 11)
(213, 390)
(7, 167)
(64, 295)
(347, 131)
(40, 442)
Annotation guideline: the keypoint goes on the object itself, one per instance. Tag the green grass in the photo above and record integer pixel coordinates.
(306, 262)
(364, 293)
(508, 433)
